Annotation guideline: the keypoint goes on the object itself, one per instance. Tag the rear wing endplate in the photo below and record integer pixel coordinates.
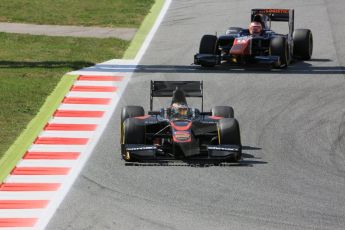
(166, 89)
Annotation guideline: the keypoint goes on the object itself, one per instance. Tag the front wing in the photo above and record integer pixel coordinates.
(136, 152)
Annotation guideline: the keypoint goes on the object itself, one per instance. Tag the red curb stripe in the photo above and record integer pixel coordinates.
(77, 113)
(61, 141)
(82, 100)
(40, 171)
(70, 127)
(23, 204)
(94, 88)
(29, 187)
(51, 155)
(100, 78)
(17, 222)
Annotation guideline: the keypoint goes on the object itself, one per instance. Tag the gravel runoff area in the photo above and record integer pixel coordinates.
(74, 31)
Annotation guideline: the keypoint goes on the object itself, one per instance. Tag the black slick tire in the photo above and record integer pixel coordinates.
(130, 111)
(133, 133)
(302, 44)
(208, 45)
(229, 134)
(279, 47)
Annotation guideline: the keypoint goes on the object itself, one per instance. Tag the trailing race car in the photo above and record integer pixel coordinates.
(178, 131)
(258, 44)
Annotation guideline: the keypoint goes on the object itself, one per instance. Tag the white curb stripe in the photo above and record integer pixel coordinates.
(90, 94)
(27, 195)
(57, 148)
(21, 213)
(78, 134)
(75, 120)
(35, 179)
(97, 83)
(83, 107)
(46, 163)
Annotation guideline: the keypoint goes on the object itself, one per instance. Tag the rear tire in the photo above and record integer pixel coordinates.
(229, 134)
(223, 111)
(208, 45)
(279, 47)
(302, 44)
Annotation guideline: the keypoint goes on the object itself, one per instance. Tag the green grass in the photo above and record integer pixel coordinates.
(31, 67)
(108, 13)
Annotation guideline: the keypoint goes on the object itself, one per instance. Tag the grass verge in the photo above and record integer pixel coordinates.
(42, 61)
(144, 29)
(109, 13)
(33, 129)
(31, 67)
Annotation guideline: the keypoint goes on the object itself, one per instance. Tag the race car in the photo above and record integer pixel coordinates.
(179, 132)
(258, 44)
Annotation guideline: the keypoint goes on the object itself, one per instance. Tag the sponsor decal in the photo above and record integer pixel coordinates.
(274, 11)
(182, 136)
(141, 148)
(222, 148)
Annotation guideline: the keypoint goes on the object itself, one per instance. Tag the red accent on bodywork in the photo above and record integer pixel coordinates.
(215, 117)
(143, 117)
(181, 139)
(241, 46)
(181, 128)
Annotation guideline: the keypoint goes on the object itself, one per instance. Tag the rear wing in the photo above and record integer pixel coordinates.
(166, 89)
(280, 15)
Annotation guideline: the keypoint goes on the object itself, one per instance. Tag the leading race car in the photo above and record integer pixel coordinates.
(258, 44)
(178, 131)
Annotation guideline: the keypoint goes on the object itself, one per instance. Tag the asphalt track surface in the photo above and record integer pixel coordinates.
(292, 123)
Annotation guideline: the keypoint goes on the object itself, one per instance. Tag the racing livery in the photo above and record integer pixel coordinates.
(258, 44)
(178, 131)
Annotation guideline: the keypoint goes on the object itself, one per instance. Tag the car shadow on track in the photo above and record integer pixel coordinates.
(295, 68)
(75, 65)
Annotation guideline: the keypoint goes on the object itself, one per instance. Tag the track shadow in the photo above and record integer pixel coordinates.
(295, 68)
(75, 65)
(246, 147)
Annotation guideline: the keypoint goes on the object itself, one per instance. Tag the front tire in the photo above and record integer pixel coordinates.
(133, 133)
(208, 45)
(130, 111)
(229, 134)
(279, 47)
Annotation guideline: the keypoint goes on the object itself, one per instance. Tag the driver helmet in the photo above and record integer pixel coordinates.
(179, 109)
(255, 28)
